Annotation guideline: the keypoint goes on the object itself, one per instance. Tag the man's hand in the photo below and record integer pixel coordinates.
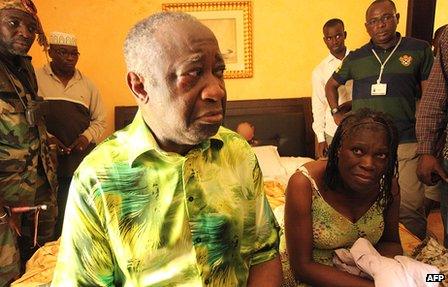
(429, 170)
(342, 110)
(61, 148)
(13, 220)
(345, 107)
(322, 149)
(337, 117)
(80, 144)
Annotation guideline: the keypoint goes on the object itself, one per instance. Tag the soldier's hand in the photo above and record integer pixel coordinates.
(80, 144)
(13, 222)
(429, 170)
(61, 148)
(11, 219)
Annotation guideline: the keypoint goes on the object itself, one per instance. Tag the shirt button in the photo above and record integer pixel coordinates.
(206, 281)
(198, 240)
(190, 199)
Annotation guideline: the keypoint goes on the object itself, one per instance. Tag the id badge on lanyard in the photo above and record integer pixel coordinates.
(380, 89)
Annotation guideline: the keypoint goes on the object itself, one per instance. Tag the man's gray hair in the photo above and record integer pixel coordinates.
(141, 47)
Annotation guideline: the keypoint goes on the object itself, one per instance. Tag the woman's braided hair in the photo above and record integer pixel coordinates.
(354, 121)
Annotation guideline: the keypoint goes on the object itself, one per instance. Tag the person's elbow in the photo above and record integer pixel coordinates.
(301, 270)
(266, 274)
(331, 87)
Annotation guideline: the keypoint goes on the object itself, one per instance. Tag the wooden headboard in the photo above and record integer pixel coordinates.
(285, 123)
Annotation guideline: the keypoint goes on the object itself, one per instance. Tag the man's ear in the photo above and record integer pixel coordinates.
(398, 17)
(51, 52)
(136, 84)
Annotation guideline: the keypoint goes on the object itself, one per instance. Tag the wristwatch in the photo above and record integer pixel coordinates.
(334, 110)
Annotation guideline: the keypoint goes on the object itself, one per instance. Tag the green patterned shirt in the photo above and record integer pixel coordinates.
(139, 216)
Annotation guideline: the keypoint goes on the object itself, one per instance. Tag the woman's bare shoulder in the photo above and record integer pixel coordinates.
(316, 169)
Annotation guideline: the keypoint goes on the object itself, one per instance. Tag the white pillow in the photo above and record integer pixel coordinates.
(291, 163)
(269, 161)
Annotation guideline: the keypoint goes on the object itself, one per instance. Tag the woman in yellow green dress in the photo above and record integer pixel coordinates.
(354, 193)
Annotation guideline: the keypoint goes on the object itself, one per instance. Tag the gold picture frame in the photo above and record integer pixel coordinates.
(231, 22)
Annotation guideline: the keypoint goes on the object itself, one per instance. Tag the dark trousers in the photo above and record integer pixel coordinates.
(64, 184)
(47, 219)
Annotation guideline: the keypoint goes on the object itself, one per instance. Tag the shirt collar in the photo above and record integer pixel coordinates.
(76, 76)
(141, 140)
(375, 47)
(331, 57)
(15, 60)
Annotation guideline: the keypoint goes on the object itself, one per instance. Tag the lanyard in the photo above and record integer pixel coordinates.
(383, 64)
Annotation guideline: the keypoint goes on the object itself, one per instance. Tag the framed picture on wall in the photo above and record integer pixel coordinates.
(231, 22)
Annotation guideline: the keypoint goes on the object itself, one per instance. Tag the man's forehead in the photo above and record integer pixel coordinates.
(183, 35)
(380, 8)
(333, 29)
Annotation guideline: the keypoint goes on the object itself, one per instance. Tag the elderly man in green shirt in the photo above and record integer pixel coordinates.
(174, 199)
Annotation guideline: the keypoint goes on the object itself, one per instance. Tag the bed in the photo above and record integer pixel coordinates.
(285, 141)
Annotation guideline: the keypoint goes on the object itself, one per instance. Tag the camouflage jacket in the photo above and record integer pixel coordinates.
(20, 144)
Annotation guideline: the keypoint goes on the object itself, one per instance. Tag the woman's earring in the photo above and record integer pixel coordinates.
(382, 183)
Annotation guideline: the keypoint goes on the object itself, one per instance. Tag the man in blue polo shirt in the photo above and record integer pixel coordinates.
(388, 75)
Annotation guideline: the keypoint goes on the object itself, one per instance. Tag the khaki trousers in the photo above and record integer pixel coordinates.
(412, 213)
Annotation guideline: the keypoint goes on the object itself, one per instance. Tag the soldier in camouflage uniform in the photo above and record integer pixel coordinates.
(27, 169)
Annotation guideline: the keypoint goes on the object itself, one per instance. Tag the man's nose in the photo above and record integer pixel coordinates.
(214, 90)
(381, 23)
(24, 30)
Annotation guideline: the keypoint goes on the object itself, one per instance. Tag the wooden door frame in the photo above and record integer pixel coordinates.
(420, 19)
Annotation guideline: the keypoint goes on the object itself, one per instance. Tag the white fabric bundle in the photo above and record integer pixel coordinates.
(402, 271)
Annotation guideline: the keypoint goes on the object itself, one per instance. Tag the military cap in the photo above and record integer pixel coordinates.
(26, 6)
